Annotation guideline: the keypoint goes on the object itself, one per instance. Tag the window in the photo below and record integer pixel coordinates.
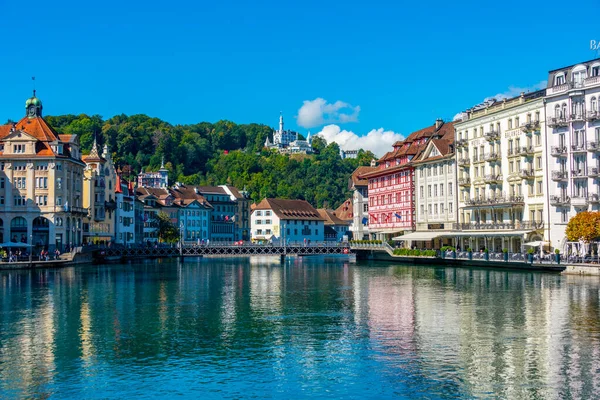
(18, 148)
(450, 208)
(267, 213)
(259, 213)
(59, 201)
(435, 208)
(539, 187)
(596, 70)
(421, 191)
(449, 189)
(516, 122)
(593, 104)
(435, 190)
(1, 200)
(422, 209)
(559, 80)
(510, 123)
(441, 189)
(538, 140)
(538, 162)
(429, 190)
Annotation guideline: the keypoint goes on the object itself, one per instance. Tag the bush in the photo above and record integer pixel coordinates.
(486, 250)
(447, 248)
(505, 250)
(415, 253)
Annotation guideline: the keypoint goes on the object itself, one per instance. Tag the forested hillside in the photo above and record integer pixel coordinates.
(214, 154)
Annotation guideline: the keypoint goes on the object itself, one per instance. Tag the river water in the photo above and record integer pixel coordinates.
(312, 328)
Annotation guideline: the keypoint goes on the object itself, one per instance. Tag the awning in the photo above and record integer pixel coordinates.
(534, 244)
(386, 231)
(421, 236)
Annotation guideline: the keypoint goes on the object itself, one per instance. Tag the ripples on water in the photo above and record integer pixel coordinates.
(311, 328)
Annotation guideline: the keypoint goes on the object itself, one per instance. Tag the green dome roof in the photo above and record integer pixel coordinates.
(33, 100)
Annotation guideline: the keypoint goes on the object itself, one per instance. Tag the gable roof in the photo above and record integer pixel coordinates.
(330, 217)
(356, 179)
(345, 211)
(290, 209)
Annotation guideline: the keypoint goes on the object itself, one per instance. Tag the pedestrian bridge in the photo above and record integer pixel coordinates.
(223, 250)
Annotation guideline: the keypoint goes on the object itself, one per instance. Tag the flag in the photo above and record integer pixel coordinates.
(365, 220)
(227, 218)
(398, 216)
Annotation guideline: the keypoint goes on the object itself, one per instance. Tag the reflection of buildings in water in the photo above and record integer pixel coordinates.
(271, 261)
(85, 331)
(29, 350)
(228, 307)
(391, 314)
(266, 290)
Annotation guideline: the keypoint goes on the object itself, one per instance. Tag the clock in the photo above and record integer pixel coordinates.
(31, 111)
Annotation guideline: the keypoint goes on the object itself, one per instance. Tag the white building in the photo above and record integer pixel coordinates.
(573, 135)
(289, 220)
(435, 189)
(501, 153)
(360, 202)
(288, 142)
(125, 213)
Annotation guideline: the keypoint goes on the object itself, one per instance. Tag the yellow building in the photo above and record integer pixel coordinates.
(99, 182)
(40, 183)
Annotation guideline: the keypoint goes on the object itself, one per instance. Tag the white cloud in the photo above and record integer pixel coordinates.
(514, 91)
(318, 112)
(379, 141)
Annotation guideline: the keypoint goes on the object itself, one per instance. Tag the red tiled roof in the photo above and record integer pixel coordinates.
(358, 172)
(38, 128)
(330, 217)
(345, 211)
(290, 209)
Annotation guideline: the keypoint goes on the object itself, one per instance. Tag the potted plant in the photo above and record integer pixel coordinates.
(486, 254)
(530, 252)
(557, 256)
(454, 253)
(470, 252)
(505, 251)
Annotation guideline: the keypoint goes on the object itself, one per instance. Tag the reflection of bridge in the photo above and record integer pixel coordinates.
(225, 250)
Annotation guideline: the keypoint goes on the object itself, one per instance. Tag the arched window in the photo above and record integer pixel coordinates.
(578, 75)
(563, 113)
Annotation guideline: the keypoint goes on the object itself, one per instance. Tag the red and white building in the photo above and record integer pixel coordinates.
(392, 186)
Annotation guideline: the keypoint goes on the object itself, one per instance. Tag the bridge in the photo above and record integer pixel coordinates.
(223, 250)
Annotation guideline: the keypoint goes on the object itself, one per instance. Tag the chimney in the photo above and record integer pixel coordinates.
(438, 123)
(373, 163)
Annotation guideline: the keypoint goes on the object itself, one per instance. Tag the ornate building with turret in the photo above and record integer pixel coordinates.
(288, 142)
(40, 183)
(155, 180)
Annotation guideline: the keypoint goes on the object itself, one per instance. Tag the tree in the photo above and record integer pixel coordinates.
(584, 226)
(167, 231)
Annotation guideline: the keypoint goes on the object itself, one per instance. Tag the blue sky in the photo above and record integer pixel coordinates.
(389, 65)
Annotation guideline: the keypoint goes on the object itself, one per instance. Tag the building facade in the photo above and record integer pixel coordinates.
(288, 141)
(40, 183)
(292, 221)
(360, 202)
(241, 218)
(392, 184)
(157, 180)
(501, 157)
(336, 229)
(125, 217)
(435, 190)
(99, 185)
(572, 109)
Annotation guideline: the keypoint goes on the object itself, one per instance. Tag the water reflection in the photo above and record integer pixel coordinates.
(307, 327)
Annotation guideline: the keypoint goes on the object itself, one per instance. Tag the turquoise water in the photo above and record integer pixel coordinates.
(312, 328)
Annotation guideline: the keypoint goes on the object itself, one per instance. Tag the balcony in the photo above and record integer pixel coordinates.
(464, 162)
(592, 116)
(462, 142)
(592, 172)
(494, 156)
(557, 122)
(578, 148)
(477, 159)
(464, 181)
(593, 198)
(525, 151)
(492, 135)
(527, 174)
(579, 173)
(558, 151)
(530, 127)
(560, 201)
(579, 201)
(577, 117)
(592, 80)
(492, 178)
(495, 200)
(593, 147)
(497, 226)
(559, 175)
